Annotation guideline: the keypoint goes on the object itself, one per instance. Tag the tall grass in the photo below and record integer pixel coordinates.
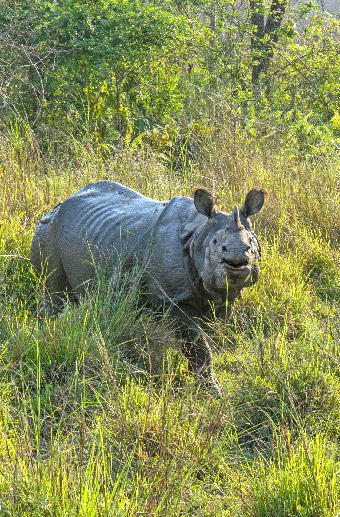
(98, 414)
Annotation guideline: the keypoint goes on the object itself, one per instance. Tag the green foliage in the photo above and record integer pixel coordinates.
(106, 69)
(114, 62)
(98, 414)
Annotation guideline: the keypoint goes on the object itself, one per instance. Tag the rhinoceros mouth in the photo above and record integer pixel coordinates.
(235, 266)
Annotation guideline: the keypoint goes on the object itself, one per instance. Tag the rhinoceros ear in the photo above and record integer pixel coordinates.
(254, 201)
(204, 202)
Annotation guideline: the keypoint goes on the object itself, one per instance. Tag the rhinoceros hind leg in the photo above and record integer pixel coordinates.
(56, 291)
(54, 284)
(48, 265)
(53, 301)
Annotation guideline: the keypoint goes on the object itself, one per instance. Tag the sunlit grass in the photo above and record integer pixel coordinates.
(98, 413)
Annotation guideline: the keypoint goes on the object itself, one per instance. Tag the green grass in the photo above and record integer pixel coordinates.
(98, 412)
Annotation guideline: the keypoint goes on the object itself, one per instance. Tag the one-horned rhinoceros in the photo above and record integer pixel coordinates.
(198, 258)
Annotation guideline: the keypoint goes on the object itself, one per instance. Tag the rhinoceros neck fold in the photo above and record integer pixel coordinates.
(193, 234)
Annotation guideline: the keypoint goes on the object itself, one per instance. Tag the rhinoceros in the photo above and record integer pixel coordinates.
(198, 258)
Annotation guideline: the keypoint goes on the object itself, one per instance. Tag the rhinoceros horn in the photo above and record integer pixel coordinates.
(236, 218)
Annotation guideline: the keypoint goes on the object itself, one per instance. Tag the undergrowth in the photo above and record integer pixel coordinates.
(98, 413)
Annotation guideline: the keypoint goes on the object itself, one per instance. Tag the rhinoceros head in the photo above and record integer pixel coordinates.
(226, 252)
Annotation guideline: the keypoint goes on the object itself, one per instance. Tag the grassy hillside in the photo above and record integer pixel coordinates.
(99, 415)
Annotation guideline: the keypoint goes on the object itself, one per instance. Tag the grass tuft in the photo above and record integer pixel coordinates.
(98, 413)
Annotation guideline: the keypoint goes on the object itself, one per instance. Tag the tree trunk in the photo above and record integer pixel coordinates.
(264, 34)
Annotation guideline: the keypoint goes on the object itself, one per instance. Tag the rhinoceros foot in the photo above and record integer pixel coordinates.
(207, 381)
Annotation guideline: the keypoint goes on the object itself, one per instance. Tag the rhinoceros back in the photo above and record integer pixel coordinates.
(102, 220)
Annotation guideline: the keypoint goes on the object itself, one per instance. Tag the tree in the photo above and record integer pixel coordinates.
(69, 53)
(264, 33)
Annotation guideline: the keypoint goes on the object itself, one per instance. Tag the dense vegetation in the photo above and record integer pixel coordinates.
(98, 414)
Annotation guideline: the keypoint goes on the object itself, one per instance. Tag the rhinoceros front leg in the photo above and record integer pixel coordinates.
(199, 356)
(197, 351)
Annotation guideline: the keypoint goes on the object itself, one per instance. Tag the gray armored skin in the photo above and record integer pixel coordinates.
(198, 258)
